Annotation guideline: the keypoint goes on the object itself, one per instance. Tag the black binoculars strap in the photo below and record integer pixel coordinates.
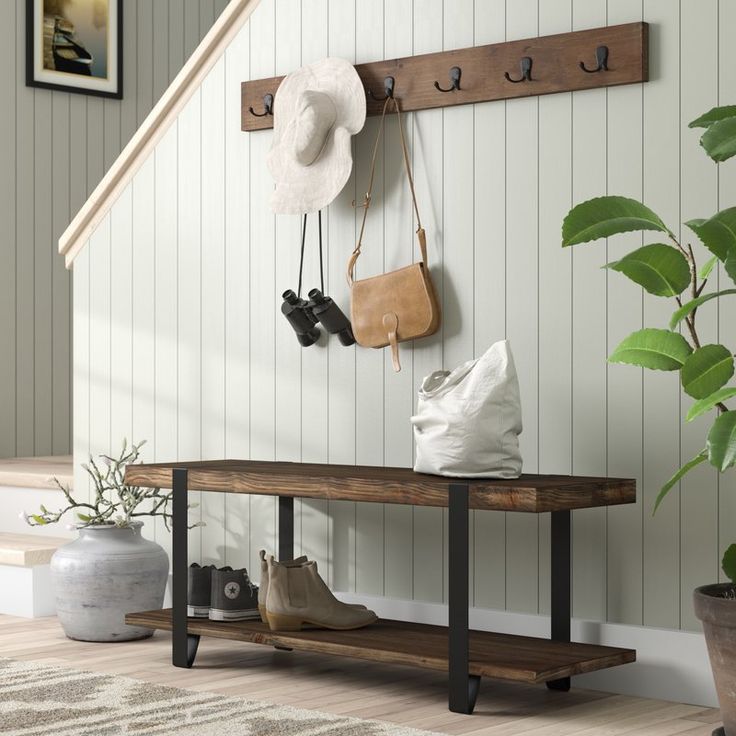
(301, 258)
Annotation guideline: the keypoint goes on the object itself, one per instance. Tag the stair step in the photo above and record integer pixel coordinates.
(28, 550)
(36, 472)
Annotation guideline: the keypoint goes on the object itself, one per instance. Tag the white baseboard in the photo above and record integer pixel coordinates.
(671, 665)
(26, 591)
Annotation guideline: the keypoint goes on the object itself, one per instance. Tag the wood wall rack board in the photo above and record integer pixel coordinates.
(565, 62)
(466, 655)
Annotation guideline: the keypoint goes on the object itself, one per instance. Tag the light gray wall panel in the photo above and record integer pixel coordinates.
(726, 311)
(8, 251)
(555, 286)
(624, 305)
(221, 372)
(698, 198)
(61, 352)
(55, 148)
(522, 306)
(237, 297)
(661, 409)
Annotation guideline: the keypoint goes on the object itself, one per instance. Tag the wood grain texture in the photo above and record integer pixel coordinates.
(502, 656)
(530, 493)
(555, 69)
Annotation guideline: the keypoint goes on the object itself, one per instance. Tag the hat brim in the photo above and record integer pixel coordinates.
(300, 188)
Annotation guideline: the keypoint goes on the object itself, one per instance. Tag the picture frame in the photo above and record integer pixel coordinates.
(75, 46)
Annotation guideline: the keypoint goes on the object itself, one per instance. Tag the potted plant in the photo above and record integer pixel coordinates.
(668, 268)
(110, 569)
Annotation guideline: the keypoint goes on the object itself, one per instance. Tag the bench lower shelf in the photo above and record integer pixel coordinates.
(503, 656)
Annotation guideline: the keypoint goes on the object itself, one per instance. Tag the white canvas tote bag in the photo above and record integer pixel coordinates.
(468, 420)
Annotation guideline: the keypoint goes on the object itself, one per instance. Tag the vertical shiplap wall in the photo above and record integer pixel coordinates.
(178, 337)
(54, 149)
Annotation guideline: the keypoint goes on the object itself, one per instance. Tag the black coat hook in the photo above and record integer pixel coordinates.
(526, 71)
(388, 89)
(601, 58)
(455, 73)
(267, 104)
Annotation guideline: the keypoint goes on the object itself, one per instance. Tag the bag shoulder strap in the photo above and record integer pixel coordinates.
(421, 237)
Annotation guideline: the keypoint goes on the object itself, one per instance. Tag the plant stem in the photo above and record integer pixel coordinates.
(696, 291)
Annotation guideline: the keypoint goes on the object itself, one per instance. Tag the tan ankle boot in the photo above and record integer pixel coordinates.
(263, 587)
(297, 597)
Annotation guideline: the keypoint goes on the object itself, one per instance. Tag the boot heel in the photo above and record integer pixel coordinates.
(280, 622)
(262, 611)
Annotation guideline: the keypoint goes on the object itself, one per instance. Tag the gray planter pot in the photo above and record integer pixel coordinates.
(718, 614)
(104, 574)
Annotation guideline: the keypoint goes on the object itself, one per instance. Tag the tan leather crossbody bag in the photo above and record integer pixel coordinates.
(399, 305)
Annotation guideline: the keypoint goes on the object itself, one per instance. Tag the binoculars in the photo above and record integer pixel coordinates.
(304, 315)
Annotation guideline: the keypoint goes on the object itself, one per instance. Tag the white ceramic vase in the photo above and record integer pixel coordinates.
(102, 575)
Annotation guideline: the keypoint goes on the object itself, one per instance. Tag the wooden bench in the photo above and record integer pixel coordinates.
(466, 655)
(25, 577)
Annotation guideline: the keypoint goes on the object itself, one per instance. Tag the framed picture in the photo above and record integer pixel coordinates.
(75, 46)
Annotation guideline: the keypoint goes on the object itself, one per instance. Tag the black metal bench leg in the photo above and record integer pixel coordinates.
(560, 584)
(463, 687)
(192, 646)
(286, 538)
(286, 528)
(183, 646)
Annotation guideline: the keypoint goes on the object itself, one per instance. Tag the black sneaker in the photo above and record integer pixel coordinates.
(199, 590)
(233, 596)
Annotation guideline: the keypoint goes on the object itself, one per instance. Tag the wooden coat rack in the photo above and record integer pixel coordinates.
(598, 57)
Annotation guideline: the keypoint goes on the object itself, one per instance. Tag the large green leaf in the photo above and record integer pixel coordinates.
(721, 442)
(660, 350)
(684, 470)
(719, 140)
(728, 563)
(685, 309)
(661, 269)
(713, 116)
(706, 404)
(706, 370)
(604, 216)
(717, 233)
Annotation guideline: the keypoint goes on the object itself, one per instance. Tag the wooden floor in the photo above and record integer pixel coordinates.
(401, 695)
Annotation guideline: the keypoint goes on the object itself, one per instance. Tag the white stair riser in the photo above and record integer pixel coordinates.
(26, 591)
(16, 500)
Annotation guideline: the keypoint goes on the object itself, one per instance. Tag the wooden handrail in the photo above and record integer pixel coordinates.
(154, 126)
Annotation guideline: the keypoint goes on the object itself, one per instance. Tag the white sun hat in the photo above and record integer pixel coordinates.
(316, 110)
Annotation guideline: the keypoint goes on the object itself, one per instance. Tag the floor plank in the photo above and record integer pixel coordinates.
(392, 693)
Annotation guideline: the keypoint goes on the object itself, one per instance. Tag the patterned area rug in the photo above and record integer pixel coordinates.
(40, 700)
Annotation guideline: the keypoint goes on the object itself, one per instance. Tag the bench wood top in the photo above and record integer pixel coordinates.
(530, 493)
